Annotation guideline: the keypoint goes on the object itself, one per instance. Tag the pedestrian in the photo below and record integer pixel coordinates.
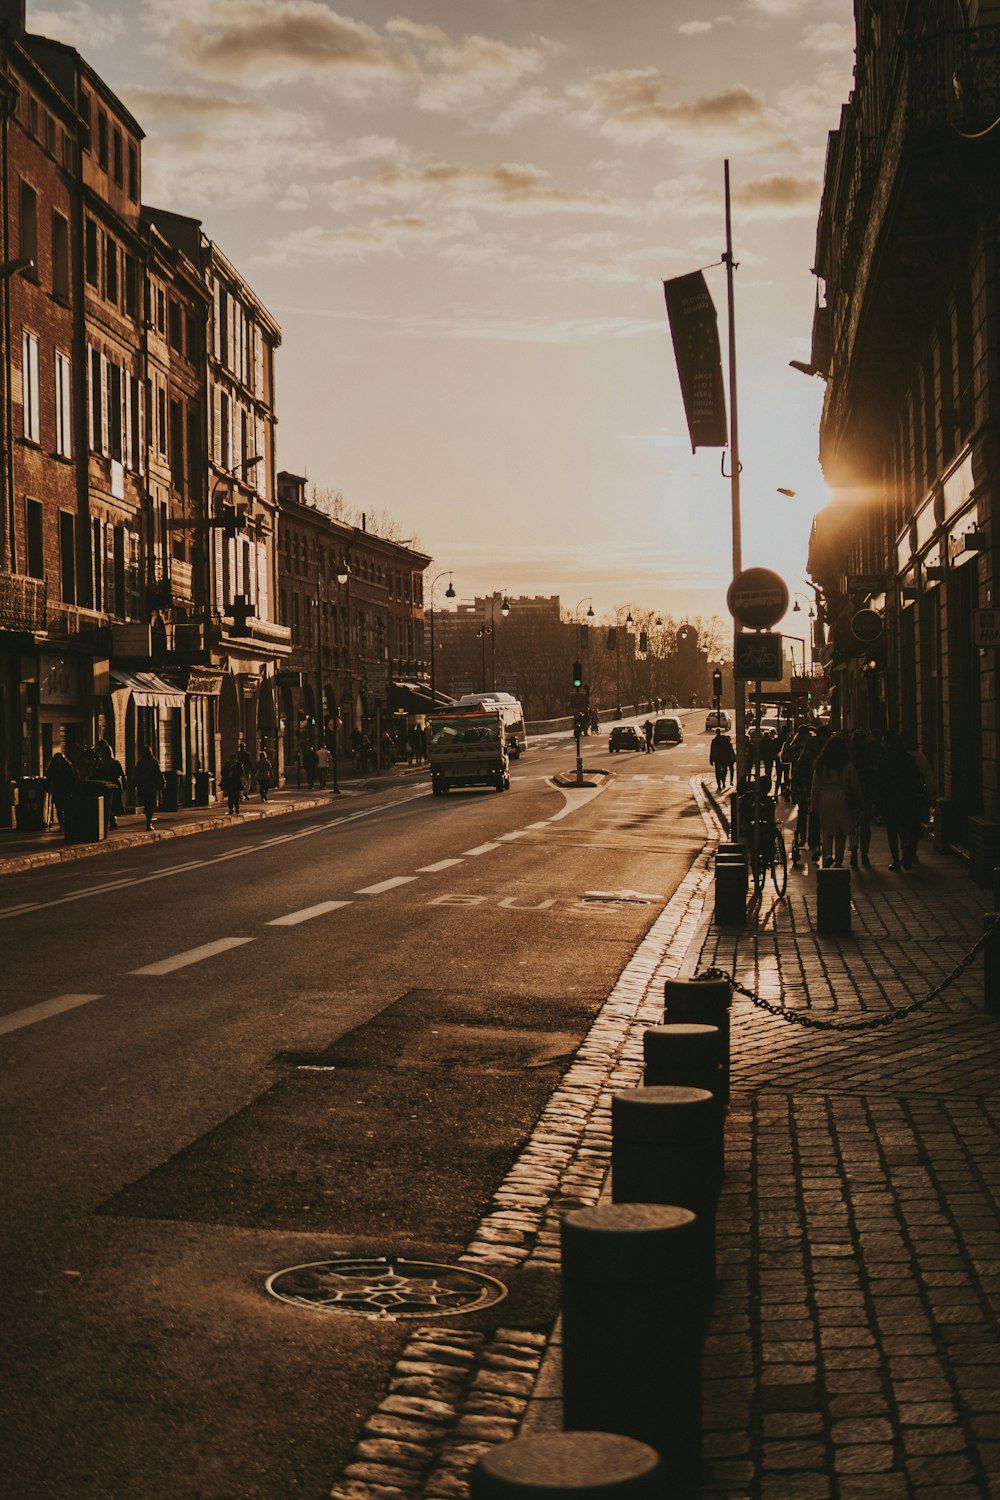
(864, 755)
(246, 768)
(801, 754)
(231, 782)
(112, 773)
(595, 722)
(310, 763)
(647, 730)
(265, 775)
(722, 759)
(324, 760)
(836, 798)
(928, 786)
(898, 798)
(60, 779)
(147, 778)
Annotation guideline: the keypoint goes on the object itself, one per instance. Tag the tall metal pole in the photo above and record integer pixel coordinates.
(734, 464)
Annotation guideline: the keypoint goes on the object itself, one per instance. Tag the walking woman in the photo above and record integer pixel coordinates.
(147, 778)
(836, 798)
(898, 798)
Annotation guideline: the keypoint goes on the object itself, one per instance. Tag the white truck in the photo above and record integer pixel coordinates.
(467, 746)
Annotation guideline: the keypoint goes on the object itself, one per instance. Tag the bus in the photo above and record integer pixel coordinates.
(511, 713)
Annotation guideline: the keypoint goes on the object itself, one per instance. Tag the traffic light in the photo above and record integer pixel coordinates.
(583, 637)
(612, 638)
(717, 683)
(577, 676)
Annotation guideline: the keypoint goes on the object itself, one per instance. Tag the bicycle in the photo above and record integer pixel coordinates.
(764, 840)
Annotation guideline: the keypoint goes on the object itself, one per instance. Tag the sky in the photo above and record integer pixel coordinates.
(461, 213)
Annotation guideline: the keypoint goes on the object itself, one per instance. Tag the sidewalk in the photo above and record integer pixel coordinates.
(853, 1348)
(27, 851)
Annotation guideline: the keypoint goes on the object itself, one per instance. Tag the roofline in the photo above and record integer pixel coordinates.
(94, 78)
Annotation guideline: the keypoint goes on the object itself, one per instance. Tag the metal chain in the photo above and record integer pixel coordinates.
(802, 1018)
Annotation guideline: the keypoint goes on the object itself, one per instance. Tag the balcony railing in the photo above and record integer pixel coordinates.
(22, 603)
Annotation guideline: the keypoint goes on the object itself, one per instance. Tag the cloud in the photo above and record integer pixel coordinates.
(777, 10)
(830, 36)
(77, 24)
(628, 105)
(778, 195)
(699, 28)
(509, 187)
(399, 237)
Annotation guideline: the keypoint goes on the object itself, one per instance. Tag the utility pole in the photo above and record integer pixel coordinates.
(734, 465)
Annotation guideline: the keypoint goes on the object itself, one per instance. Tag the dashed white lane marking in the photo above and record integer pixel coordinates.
(41, 1012)
(519, 833)
(306, 914)
(442, 864)
(192, 956)
(385, 885)
(481, 849)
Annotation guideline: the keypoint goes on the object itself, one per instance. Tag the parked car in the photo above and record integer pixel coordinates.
(668, 730)
(717, 718)
(624, 737)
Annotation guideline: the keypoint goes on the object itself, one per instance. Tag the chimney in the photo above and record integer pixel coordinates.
(12, 12)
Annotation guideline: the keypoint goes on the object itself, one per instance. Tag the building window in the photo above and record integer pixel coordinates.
(29, 384)
(29, 225)
(161, 417)
(64, 406)
(67, 557)
(60, 256)
(92, 268)
(191, 341)
(177, 444)
(114, 410)
(102, 140)
(33, 539)
(85, 117)
(133, 172)
(161, 311)
(50, 134)
(119, 158)
(176, 327)
(33, 117)
(110, 270)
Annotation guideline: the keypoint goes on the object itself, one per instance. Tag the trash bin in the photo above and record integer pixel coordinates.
(170, 796)
(86, 813)
(30, 804)
(204, 788)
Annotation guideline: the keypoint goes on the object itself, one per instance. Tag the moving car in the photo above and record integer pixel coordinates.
(668, 730)
(717, 718)
(624, 737)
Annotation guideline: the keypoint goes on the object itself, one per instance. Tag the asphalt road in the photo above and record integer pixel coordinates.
(273, 1044)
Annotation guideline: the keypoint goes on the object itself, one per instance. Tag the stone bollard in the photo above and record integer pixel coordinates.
(688, 1053)
(833, 902)
(731, 876)
(632, 1319)
(569, 1466)
(706, 1001)
(991, 964)
(667, 1147)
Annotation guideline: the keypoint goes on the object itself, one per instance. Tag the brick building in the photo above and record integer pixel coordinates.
(138, 570)
(907, 338)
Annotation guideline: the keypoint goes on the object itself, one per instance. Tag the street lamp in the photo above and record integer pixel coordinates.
(449, 593)
(490, 630)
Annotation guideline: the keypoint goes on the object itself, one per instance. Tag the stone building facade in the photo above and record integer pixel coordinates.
(907, 337)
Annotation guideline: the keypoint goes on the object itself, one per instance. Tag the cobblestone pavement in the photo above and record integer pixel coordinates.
(853, 1348)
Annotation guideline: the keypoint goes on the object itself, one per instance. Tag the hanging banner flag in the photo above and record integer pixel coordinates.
(695, 332)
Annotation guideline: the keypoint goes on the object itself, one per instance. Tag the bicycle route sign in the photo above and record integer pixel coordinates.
(757, 598)
(758, 658)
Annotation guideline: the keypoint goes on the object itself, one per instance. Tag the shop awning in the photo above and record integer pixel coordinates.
(148, 690)
(414, 698)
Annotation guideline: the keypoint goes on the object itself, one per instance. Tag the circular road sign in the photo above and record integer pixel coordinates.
(866, 625)
(757, 598)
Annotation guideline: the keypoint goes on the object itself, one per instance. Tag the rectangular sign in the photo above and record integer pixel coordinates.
(758, 657)
(694, 329)
(986, 627)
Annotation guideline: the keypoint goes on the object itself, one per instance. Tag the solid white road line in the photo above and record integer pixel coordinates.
(385, 885)
(480, 849)
(539, 825)
(192, 956)
(442, 864)
(305, 914)
(43, 1011)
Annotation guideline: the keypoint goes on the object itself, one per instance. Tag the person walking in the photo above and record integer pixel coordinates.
(310, 764)
(647, 730)
(147, 778)
(864, 754)
(898, 800)
(722, 759)
(60, 779)
(836, 798)
(246, 768)
(231, 782)
(265, 775)
(324, 760)
(111, 771)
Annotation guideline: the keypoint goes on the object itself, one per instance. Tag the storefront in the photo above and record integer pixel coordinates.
(148, 711)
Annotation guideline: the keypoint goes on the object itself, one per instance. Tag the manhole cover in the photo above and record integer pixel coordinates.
(386, 1286)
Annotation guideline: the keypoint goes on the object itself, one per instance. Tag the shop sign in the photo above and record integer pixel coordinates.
(59, 680)
(204, 684)
(986, 627)
(866, 625)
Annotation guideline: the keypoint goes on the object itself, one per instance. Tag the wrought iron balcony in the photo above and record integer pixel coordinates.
(22, 603)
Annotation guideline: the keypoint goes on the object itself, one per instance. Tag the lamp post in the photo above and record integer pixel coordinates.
(490, 630)
(449, 593)
(344, 577)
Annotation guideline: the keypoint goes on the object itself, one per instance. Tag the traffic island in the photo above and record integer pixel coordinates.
(586, 777)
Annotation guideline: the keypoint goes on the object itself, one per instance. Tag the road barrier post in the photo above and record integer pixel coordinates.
(687, 1053)
(577, 1465)
(631, 1300)
(731, 877)
(667, 1147)
(706, 1001)
(833, 902)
